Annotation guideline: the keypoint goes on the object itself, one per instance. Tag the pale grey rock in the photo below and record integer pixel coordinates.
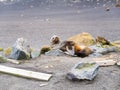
(55, 52)
(98, 50)
(35, 53)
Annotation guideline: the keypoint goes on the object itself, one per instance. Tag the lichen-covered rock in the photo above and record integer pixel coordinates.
(7, 51)
(2, 59)
(45, 49)
(116, 44)
(83, 71)
(102, 40)
(20, 50)
(55, 52)
(83, 38)
(1, 49)
(19, 55)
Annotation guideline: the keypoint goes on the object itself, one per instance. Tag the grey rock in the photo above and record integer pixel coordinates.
(98, 51)
(19, 50)
(83, 71)
(55, 52)
(18, 54)
(95, 55)
(1, 54)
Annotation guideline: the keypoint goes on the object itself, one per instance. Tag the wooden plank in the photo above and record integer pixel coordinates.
(4, 59)
(25, 73)
(105, 62)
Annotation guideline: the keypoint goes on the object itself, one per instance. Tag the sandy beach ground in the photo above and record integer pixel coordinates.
(37, 26)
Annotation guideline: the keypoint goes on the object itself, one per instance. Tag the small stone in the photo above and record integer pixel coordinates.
(118, 63)
(46, 67)
(107, 9)
(35, 53)
(45, 49)
(1, 49)
(44, 84)
(7, 51)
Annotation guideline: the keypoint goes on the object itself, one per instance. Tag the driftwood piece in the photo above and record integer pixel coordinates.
(13, 61)
(25, 73)
(104, 62)
(3, 59)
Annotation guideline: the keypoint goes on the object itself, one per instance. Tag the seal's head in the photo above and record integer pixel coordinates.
(55, 40)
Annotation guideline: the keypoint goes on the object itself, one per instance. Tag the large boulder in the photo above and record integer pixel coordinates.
(20, 50)
(83, 71)
(83, 38)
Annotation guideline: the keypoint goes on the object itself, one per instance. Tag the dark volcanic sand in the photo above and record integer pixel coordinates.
(39, 25)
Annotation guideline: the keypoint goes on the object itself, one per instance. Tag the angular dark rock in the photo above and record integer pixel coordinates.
(20, 50)
(18, 54)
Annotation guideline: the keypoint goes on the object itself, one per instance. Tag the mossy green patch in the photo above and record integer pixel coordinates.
(7, 51)
(45, 49)
(2, 59)
(116, 44)
(85, 65)
(83, 38)
(1, 49)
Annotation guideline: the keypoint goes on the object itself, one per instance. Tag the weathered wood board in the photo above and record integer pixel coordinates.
(25, 73)
(104, 62)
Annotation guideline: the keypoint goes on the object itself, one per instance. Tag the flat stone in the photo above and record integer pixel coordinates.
(83, 71)
(55, 52)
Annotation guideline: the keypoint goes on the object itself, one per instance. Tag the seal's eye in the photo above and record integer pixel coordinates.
(53, 38)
